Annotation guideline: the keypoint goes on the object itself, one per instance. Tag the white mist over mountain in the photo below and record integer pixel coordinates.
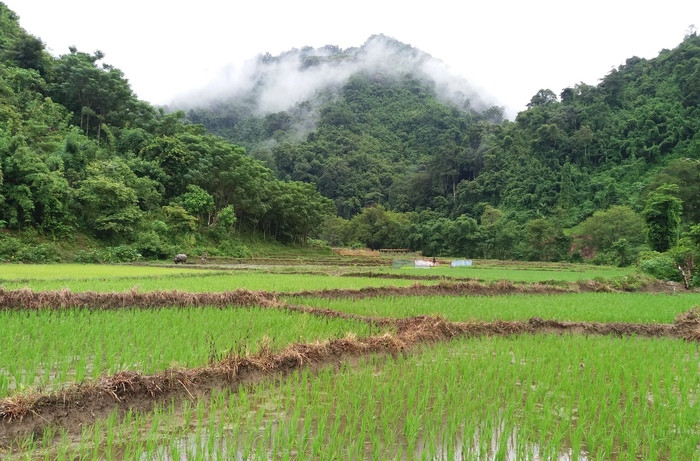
(273, 84)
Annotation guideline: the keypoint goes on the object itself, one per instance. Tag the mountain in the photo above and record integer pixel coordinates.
(359, 123)
(377, 145)
(379, 126)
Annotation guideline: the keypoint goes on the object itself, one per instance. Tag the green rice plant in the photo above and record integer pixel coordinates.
(522, 272)
(211, 282)
(24, 272)
(45, 350)
(590, 307)
(530, 397)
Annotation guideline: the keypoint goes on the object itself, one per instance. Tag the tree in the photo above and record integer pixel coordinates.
(685, 173)
(108, 200)
(662, 214)
(604, 228)
(108, 206)
(545, 240)
(200, 203)
(542, 97)
(178, 219)
(226, 218)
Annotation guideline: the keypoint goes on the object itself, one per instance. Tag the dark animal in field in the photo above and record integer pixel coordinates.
(180, 259)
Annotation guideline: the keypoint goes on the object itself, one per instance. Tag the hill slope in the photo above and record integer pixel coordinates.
(80, 155)
(395, 138)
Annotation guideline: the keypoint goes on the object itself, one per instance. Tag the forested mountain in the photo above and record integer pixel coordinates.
(375, 146)
(83, 158)
(407, 165)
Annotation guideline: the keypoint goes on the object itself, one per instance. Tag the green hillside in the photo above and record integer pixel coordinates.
(87, 166)
(407, 167)
(372, 146)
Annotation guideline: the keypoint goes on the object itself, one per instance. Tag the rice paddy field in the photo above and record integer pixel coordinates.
(367, 363)
(206, 281)
(582, 307)
(516, 273)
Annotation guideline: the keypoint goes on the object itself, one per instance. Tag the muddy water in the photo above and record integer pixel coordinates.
(499, 446)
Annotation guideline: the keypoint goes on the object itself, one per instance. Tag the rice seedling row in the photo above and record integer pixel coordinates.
(587, 307)
(525, 397)
(515, 274)
(48, 349)
(13, 272)
(211, 283)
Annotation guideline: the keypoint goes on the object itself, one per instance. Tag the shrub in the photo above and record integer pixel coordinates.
(42, 253)
(89, 257)
(659, 265)
(122, 254)
(13, 250)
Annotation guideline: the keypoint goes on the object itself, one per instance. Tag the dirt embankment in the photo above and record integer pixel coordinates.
(24, 299)
(81, 404)
(471, 287)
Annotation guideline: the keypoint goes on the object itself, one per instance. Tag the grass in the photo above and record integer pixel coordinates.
(526, 397)
(591, 307)
(23, 272)
(211, 282)
(525, 273)
(44, 349)
(520, 397)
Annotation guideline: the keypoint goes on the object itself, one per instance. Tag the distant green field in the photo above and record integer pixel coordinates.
(593, 307)
(210, 282)
(9, 272)
(568, 273)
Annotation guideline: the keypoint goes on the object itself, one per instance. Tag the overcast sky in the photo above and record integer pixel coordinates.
(509, 48)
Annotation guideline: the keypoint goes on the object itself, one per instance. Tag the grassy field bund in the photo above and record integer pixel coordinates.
(346, 377)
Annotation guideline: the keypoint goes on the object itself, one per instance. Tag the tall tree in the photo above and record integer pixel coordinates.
(662, 214)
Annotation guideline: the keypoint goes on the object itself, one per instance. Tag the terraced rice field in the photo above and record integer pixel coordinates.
(356, 367)
(206, 281)
(582, 307)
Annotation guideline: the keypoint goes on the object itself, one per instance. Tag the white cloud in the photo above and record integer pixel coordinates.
(509, 48)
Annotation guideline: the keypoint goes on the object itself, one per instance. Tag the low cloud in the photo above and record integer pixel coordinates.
(270, 84)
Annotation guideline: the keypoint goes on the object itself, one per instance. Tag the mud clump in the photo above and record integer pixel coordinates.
(687, 324)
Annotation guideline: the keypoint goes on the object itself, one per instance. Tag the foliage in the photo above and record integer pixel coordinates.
(659, 265)
(14, 250)
(118, 254)
(662, 214)
(390, 141)
(385, 151)
(79, 153)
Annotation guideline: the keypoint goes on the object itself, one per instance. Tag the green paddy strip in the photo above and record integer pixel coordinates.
(45, 350)
(526, 398)
(523, 274)
(583, 307)
(217, 282)
(22, 272)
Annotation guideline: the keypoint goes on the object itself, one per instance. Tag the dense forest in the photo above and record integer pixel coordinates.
(84, 159)
(602, 172)
(383, 156)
